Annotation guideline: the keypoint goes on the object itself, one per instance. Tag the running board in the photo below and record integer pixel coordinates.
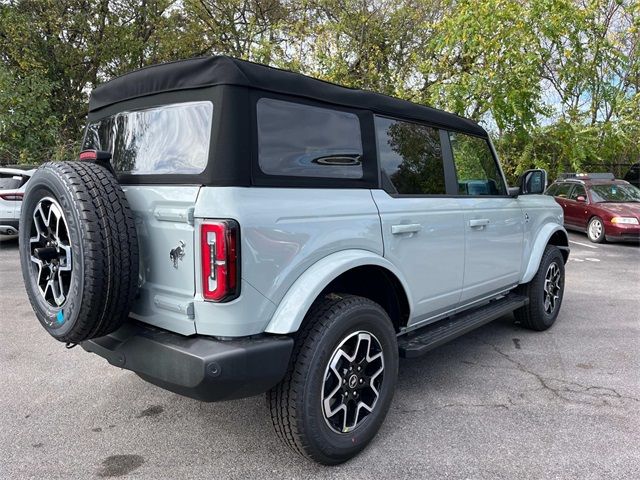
(421, 341)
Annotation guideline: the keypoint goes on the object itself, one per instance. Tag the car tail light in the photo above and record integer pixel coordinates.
(95, 155)
(220, 245)
(12, 197)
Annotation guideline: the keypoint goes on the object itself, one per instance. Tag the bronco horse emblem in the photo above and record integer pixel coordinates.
(177, 253)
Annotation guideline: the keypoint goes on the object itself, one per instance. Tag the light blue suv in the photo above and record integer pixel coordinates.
(233, 229)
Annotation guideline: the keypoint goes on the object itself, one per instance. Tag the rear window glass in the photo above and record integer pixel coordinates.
(410, 156)
(307, 141)
(168, 139)
(10, 182)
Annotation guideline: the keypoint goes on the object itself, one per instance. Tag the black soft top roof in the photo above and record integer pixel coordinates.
(222, 70)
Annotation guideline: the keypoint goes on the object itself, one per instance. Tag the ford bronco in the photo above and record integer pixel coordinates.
(232, 229)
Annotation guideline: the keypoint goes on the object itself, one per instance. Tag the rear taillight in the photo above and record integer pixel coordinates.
(219, 242)
(95, 155)
(12, 197)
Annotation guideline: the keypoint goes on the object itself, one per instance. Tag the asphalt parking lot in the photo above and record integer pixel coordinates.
(501, 402)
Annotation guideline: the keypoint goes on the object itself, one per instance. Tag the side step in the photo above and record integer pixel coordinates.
(438, 333)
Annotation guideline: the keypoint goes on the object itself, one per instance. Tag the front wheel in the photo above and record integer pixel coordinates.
(545, 292)
(595, 230)
(340, 382)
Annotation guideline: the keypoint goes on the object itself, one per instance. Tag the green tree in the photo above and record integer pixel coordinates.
(556, 82)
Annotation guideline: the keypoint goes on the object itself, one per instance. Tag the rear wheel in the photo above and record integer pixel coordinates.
(545, 292)
(595, 230)
(340, 382)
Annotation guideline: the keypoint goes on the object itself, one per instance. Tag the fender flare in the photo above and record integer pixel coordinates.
(542, 239)
(296, 302)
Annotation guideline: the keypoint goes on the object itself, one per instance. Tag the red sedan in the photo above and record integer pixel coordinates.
(600, 205)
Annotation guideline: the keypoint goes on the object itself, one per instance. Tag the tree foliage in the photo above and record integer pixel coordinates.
(556, 82)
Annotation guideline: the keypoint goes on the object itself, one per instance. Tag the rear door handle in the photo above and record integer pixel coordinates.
(479, 222)
(408, 228)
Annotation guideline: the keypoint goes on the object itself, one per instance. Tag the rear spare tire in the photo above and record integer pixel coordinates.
(78, 250)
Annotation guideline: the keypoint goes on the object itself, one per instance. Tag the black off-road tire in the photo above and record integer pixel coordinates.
(104, 250)
(533, 316)
(296, 403)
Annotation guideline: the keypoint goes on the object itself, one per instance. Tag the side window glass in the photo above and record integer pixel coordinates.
(577, 191)
(552, 190)
(410, 157)
(308, 141)
(563, 190)
(477, 170)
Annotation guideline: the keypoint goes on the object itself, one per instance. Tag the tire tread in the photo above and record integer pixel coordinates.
(109, 248)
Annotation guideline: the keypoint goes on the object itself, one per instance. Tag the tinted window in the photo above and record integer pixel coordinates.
(410, 157)
(577, 191)
(477, 170)
(168, 139)
(308, 141)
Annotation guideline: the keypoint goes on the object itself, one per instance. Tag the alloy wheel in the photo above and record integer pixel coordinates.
(552, 288)
(50, 249)
(352, 381)
(595, 229)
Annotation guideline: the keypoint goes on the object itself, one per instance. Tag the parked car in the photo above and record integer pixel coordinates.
(12, 186)
(234, 229)
(633, 175)
(600, 205)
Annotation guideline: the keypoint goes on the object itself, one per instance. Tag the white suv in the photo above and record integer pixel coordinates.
(12, 185)
(233, 229)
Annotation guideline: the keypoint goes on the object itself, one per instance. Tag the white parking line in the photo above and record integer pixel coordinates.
(583, 244)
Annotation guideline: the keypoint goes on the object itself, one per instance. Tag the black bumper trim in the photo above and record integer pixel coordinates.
(198, 367)
(10, 222)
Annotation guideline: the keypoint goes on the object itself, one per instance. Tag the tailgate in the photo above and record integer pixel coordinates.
(164, 222)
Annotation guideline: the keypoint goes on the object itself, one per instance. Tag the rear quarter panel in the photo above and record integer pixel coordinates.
(283, 232)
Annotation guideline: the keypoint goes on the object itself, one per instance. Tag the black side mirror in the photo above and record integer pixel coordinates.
(533, 182)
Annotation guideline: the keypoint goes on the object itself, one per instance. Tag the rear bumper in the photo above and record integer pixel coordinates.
(9, 226)
(198, 367)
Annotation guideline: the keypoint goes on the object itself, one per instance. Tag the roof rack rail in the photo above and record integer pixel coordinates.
(587, 176)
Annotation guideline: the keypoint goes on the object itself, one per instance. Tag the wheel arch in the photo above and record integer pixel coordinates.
(550, 234)
(357, 272)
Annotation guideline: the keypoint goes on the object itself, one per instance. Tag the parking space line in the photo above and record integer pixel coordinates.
(583, 244)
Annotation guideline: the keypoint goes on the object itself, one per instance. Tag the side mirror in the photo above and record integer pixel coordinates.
(581, 198)
(533, 182)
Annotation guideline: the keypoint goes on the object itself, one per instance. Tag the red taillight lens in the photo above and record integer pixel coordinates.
(12, 197)
(88, 155)
(95, 156)
(220, 267)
